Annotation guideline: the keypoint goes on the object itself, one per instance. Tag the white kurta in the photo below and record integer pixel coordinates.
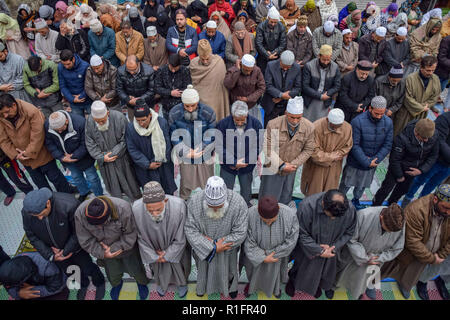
(280, 237)
(167, 235)
(221, 273)
(368, 240)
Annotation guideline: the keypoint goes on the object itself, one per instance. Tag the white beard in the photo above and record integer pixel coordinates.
(218, 214)
(159, 217)
(103, 127)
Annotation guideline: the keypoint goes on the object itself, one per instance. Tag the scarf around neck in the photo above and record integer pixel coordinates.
(157, 137)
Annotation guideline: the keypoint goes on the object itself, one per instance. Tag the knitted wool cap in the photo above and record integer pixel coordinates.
(97, 212)
(396, 71)
(378, 102)
(98, 109)
(425, 128)
(190, 95)
(204, 48)
(302, 21)
(215, 191)
(268, 207)
(57, 120)
(393, 217)
(326, 50)
(153, 192)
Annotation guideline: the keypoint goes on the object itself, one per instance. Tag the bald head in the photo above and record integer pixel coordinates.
(132, 64)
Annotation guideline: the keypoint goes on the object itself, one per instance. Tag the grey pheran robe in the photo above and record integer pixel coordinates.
(310, 271)
(280, 237)
(167, 235)
(119, 176)
(221, 274)
(367, 241)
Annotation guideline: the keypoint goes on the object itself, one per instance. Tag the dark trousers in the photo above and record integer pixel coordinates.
(389, 183)
(51, 172)
(22, 183)
(278, 110)
(87, 268)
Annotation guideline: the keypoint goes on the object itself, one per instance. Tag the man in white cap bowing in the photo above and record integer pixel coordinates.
(246, 83)
(102, 42)
(105, 142)
(371, 47)
(46, 41)
(100, 82)
(191, 148)
(216, 38)
(330, 35)
(283, 82)
(216, 226)
(288, 143)
(155, 51)
(396, 51)
(270, 39)
(160, 220)
(348, 58)
(333, 138)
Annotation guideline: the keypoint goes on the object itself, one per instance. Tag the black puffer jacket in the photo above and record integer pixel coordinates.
(57, 230)
(166, 81)
(77, 43)
(140, 85)
(443, 128)
(407, 153)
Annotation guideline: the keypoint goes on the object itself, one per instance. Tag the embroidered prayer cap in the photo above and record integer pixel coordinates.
(190, 95)
(378, 102)
(302, 21)
(273, 13)
(211, 24)
(295, 106)
(402, 31)
(40, 24)
(287, 58)
(443, 192)
(215, 191)
(56, 120)
(98, 109)
(381, 31)
(364, 65)
(36, 200)
(248, 60)
(151, 31)
(268, 207)
(396, 71)
(97, 212)
(346, 31)
(336, 116)
(96, 61)
(425, 128)
(326, 50)
(153, 192)
(328, 26)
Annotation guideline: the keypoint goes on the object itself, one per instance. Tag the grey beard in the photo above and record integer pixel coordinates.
(218, 214)
(103, 127)
(240, 129)
(153, 44)
(159, 217)
(190, 116)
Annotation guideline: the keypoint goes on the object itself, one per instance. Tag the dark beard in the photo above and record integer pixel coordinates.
(374, 119)
(439, 213)
(322, 65)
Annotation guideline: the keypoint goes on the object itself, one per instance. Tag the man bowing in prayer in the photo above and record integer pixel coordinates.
(271, 236)
(160, 220)
(208, 73)
(333, 138)
(216, 226)
(288, 143)
(327, 222)
(379, 237)
(105, 142)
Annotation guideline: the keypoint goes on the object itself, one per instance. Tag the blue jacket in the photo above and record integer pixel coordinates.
(71, 82)
(190, 40)
(141, 152)
(230, 150)
(370, 140)
(73, 142)
(217, 42)
(104, 45)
